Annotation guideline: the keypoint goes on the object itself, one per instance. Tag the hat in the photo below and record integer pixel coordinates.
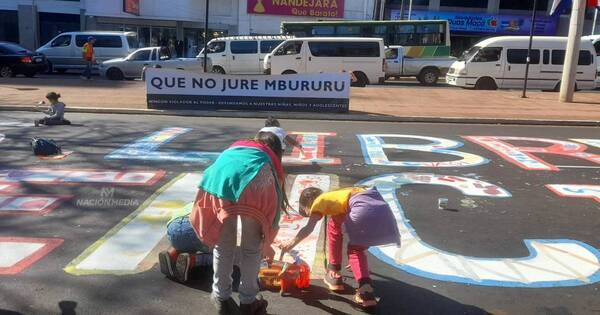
(53, 96)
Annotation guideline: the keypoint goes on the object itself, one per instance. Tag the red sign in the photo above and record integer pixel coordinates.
(315, 8)
(131, 7)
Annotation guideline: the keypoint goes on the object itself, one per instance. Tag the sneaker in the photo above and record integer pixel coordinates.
(227, 307)
(183, 265)
(334, 281)
(364, 296)
(258, 307)
(166, 265)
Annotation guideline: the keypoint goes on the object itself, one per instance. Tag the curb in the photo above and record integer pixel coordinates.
(357, 116)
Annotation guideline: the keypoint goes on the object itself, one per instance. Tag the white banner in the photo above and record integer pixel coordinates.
(176, 89)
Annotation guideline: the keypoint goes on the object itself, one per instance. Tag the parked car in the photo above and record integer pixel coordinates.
(241, 54)
(133, 66)
(64, 51)
(15, 59)
(365, 57)
(500, 62)
(427, 70)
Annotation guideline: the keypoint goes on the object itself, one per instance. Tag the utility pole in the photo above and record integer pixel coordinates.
(206, 38)
(409, 9)
(402, 10)
(531, 32)
(567, 85)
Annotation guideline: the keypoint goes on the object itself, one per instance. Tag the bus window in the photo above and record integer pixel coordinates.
(323, 30)
(347, 30)
(519, 56)
(488, 54)
(290, 48)
(585, 57)
(267, 46)
(344, 49)
(546, 57)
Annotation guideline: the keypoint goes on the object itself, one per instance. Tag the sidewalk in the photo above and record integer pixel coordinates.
(396, 101)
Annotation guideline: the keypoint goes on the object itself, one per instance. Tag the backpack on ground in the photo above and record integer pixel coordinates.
(45, 147)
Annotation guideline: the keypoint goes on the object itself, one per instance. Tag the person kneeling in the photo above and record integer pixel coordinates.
(186, 251)
(56, 112)
(368, 221)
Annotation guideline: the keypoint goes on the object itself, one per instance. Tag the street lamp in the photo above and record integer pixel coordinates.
(524, 95)
(206, 38)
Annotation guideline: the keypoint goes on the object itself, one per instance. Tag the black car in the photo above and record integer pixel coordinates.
(15, 59)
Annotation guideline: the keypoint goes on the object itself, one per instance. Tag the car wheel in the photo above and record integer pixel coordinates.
(6, 72)
(429, 76)
(217, 69)
(361, 79)
(114, 74)
(486, 84)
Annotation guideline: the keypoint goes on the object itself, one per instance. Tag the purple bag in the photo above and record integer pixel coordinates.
(370, 221)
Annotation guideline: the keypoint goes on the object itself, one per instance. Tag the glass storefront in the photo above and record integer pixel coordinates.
(9, 26)
(52, 24)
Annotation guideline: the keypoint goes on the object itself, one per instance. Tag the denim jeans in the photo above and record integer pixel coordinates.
(183, 237)
(88, 69)
(224, 253)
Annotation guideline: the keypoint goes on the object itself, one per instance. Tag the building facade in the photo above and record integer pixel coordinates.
(474, 20)
(157, 22)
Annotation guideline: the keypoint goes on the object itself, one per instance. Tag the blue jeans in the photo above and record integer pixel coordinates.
(88, 69)
(183, 237)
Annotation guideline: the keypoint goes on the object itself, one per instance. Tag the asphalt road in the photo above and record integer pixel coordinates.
(476, 227)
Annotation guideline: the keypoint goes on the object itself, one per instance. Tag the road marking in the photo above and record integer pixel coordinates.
(147, 149)
(14, 124)
(18, 253)
(551, 263)
(47, 176)
(30, 204)
(373, 148)
(313, 145)
(289, 226)
(576, 191)
(123, 249)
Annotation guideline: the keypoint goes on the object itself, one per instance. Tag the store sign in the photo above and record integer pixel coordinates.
(487, 23)
(131, 7)
(176, 89)
(316, 8)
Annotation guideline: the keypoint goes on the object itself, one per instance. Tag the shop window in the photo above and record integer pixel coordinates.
(62, 41)
(9, 26)
(53, 24)
(244, 47)
(267, 46)
(522, 5)
(519, 56)
(488, 54)
(464, 4)
(415, 2)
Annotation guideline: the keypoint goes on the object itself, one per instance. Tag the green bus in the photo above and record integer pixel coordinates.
(420, 38)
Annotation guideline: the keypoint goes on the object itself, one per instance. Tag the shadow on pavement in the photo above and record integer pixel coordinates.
(67, 307)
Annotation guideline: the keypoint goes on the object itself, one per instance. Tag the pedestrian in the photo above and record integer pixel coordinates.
(272, 125)
(87, 53)
(186, 251)
(246, 181)
(368, 221)
(55, 113)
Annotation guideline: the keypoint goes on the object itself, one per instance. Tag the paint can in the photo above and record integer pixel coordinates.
(442, 203)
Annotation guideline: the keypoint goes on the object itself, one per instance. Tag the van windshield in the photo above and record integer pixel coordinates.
(468, 54)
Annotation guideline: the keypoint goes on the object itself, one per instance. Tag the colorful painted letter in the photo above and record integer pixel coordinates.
(373, 147)
(18, 253)
(313, 145)
(576, 191)
(43, 176)
(147, 149)
(551, 263)
(524, 158)
(29, 204)
(125, 247)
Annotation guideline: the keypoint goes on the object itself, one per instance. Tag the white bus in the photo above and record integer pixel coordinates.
(595, 39)
(365, 57)
(241, 54)
(499, 62)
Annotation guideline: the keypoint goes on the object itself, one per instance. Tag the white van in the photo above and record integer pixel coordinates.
(241, 54)
(363, 56)
(499, 62)
(64, 51)
(595, 39)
